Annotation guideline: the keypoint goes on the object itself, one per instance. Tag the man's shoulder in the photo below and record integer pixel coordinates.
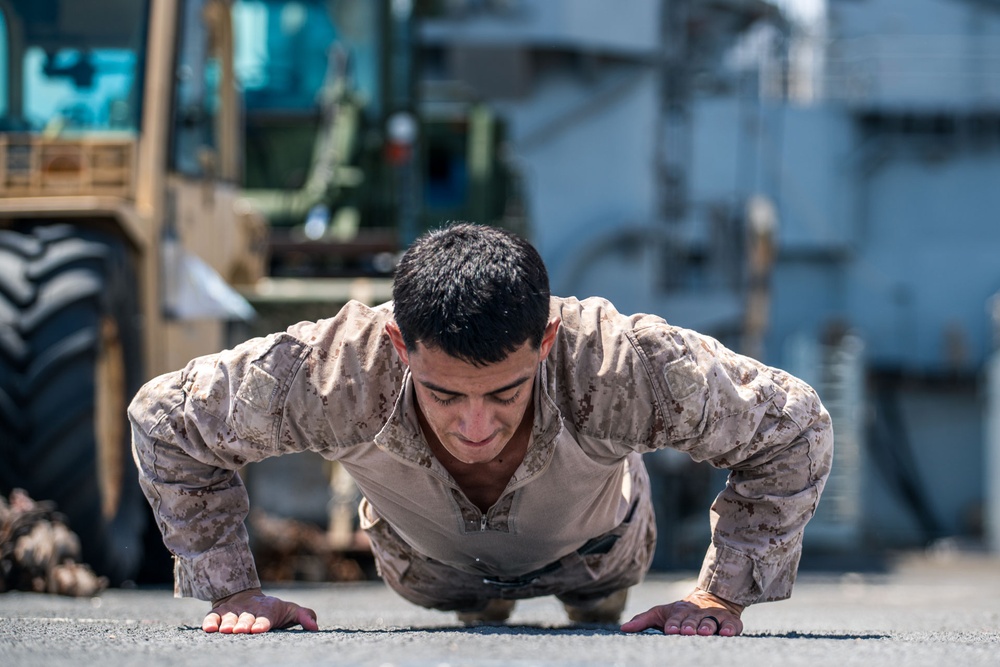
(348, 349)
(354, 324)
(596, 374)
(351, 376)
(597, 319)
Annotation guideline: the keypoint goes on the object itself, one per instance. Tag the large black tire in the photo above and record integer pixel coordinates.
(69, 362)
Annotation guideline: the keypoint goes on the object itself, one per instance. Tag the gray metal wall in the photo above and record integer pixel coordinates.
(884, 168)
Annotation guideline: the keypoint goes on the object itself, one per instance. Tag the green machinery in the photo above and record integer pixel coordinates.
(345, 157)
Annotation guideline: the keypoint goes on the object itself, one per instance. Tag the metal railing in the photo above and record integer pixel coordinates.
(945, 71)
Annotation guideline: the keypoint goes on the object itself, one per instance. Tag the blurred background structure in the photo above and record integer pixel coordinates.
(813, 182)
(122, 230)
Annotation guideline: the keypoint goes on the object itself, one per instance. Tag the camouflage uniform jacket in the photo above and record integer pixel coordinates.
(612, 385)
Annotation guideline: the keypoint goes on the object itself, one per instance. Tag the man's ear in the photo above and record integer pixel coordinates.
(397, 341)
(549, 337)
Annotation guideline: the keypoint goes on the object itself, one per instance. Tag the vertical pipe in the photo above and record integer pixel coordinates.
(991, 454)
(151, 170)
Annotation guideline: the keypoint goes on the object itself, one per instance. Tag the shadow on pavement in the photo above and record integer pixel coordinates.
(810, 635)
(582, 631)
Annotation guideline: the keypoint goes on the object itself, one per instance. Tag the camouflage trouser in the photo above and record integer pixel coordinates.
(608, 563)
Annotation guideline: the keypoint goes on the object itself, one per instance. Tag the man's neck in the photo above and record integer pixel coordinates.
(484, 483)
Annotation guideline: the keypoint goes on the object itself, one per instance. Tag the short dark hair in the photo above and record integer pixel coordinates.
(474, 292)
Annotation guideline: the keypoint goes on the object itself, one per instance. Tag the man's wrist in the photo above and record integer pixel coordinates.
(227, 598)
(722, 602)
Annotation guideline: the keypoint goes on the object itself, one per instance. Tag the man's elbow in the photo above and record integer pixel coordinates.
(820, 436)
(155, 400)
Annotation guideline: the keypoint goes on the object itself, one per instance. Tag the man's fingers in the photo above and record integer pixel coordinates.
(731, 627)
(691, 617)
(211, 622)
(698, 622)
(726, 626)
(644, 621)
(293, 615)
(243, 624)
(255, 623)
(228, 623)
(260, 624)
(251, 611)
(689, 626)
(709, 626)
(667, 618)
(307, 619)
(674, 624)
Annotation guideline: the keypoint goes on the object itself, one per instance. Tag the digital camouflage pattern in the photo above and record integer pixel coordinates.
(612, 387)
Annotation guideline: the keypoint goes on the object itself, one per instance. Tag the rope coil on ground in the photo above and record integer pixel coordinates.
(39, 553)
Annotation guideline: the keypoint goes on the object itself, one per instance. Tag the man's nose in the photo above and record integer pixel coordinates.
(478, 422)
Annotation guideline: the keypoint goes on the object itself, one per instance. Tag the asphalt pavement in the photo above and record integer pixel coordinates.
(926, 610)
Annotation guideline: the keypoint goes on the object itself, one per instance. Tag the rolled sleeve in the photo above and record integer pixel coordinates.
(734, 576)
(215, 574)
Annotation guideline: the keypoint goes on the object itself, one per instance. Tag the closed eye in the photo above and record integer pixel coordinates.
(443, 401)
(508, 401)
(448, 401)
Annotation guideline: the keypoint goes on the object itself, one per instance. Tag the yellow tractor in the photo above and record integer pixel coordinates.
(121, 233)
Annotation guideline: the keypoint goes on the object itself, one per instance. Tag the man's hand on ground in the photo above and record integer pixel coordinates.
(700, 613)
(251, 611)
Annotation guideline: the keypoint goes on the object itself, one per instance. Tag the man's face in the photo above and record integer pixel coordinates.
(473, 410)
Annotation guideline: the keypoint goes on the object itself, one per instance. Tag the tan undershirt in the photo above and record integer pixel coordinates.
(483, 483)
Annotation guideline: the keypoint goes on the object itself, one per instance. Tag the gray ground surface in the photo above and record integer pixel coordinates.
(926, 611)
